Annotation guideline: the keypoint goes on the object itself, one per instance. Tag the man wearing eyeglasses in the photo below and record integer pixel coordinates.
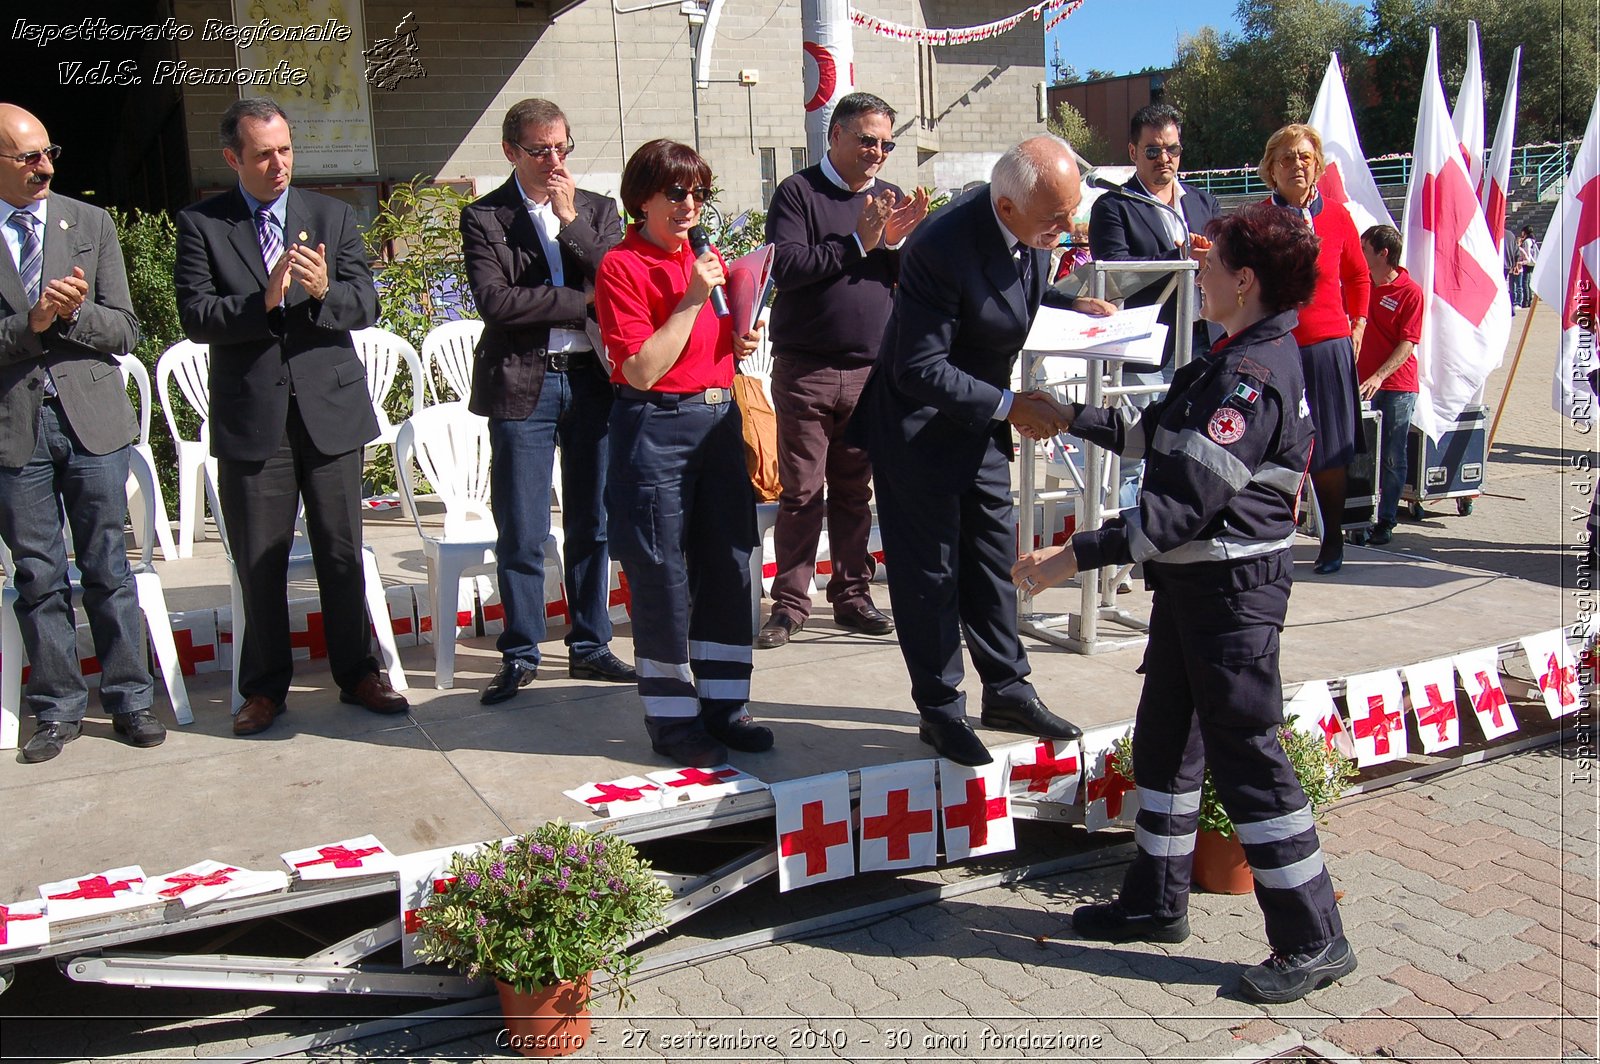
(65, 426)
(532, 248)
(836, 231)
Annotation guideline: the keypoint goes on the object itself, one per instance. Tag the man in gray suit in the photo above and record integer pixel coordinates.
(65, 426)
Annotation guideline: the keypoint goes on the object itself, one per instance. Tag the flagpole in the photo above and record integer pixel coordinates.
(1511, 375)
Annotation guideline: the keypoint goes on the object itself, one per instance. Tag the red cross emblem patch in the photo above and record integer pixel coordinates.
(1226, 426)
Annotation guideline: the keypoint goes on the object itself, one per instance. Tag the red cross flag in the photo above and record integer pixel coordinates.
(1480, 678)
(1431, 687)
(619, 797)
(210, 880)
(24, 925)
(1467, 118)
(1555, 671)
(813, 816)
(1466, 317)
(1109, 796)
(1045, 770)
(422, 875)
(1567, 271)
(1497, 171)
(1312, 710)
(1376, 722)
(702, 784)
(115, 890)
(1348, 179)
(364, 856)
(898, 816)
(976, 809)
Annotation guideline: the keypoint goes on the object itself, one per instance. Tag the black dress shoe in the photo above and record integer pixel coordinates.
(1329, 567)
(1110, 922)
(139, 728)
(513, 676)
(691, 746)
(1029, 718)
(1279, 979)
(49, 739)
(955, 740)
(776, 632)
(865, 618)
(742, 734)
(602, 665)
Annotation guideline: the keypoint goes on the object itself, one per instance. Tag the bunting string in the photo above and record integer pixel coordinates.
(1058, 10)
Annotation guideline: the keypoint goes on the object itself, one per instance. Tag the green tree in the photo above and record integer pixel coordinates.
(149, 243)
(1070, 125)
(1205, 87)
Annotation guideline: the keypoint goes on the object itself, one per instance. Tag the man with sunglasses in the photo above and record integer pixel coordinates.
(836, 231)
(532, 247)
(65, 427)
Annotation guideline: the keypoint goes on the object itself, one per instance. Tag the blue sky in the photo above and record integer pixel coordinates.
(1124, 37)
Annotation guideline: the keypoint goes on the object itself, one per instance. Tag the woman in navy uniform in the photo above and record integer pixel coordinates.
(1225, 453)
(680, 510)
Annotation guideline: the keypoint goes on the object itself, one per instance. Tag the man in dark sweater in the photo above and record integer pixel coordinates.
(836, 231)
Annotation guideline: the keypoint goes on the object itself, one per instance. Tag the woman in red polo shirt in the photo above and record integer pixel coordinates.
(681, 513)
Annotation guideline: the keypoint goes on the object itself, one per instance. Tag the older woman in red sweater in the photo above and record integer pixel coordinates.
(1330, 326)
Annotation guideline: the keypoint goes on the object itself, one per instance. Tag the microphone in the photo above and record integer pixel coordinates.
(699, 243)
(1104, 184)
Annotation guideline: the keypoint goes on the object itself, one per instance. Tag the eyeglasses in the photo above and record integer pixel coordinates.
(550, 151)
(881, 144)
(31, 158)
(677, 193)
(1156, 151)
(1289, 158)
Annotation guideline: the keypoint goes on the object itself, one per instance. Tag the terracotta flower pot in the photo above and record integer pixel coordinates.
(551, 1022)
(1219, 864)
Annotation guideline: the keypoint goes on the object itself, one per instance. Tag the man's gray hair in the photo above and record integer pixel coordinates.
(1017, 173)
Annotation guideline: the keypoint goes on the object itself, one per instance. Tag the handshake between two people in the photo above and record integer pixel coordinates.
(1039, 415)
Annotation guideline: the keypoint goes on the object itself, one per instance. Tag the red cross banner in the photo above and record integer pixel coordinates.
(680, 785)
(1568, 271)
(1348, 178)
(1466, 317)
(402, 601)
(24, 925)
(1044, 770)
(115, 890)
(1377, 723)
(618, 797)
(364, 856)
(899, 816)
(976, 809)
(210, 880)
(1431, 693)
(1555, 671)
(1467, 118)
(1109, 795)
(421, 875)
(1312, 709)
(813, 823)
(1480, 678)
(1496, 183)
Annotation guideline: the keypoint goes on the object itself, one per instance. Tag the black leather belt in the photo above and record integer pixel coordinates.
(709, 397)
(561, 361)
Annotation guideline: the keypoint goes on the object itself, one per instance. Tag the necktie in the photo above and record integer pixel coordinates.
(1025, 266)
(267, 232)
(30, 257)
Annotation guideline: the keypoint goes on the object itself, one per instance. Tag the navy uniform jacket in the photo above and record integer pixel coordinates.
(1225, 452)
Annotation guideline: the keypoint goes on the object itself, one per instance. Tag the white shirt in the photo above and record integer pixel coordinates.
(1177, 229)
(547, 225)
(39, 210)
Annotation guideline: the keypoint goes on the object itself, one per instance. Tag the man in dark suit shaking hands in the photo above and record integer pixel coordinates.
(937, 414)
(274, 279)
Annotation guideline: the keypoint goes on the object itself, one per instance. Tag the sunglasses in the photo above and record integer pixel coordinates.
(885, 146)
(31, 158)
(677, 193)
(550, 151)
(1156, 151)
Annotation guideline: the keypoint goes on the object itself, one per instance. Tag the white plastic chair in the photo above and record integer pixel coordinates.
(447, 354)
(450, 444)
(188, 364)
(382, 353)
(133, 371)
(152, 603)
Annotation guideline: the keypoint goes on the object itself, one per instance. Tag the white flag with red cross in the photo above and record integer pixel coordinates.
(210, 880)
(814, 840)
(24, 925)
(1109, 795)
(680, 785)
(1347, 178)
(618, 797)
(1567, 275)
(1044, 770)
(1312, 710)
(899, 816)
(1466, 317)
(1480, 678)
(1555, 671)
(975, 809)
(112, 891)
(1467, 117)
(423, 875)
(1496, 183)
(1431, 690)
(1377, 725)
(364, 856)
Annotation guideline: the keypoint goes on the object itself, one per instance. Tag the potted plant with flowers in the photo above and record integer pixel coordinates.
(542, 915)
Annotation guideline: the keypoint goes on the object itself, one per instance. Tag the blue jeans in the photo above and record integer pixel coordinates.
(93, 488)
(1396, 408)
(573, 412)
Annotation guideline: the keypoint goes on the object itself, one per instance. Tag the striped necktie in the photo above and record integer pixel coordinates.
(30, 254)
(267, 233)
(1025, 266)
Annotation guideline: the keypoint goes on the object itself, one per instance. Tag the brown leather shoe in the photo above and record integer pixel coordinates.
(776, 632)
(256, 715)
(864, 617)
(375, 693)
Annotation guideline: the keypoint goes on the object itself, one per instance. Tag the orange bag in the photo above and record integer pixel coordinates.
(760, 436)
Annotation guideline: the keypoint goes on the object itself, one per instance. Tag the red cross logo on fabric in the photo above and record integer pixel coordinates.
(1448, 207)
(1111, 786)
(1579, 279)
(898, 823)
(975, 813)
(1490, 699)
(312, 638)
(1331, 184)
(96, 888)
(1438, 712)
(1046, 767)
(814, 838)
(341, 857)
(413, 921)
(691, 776)
(1377, 724)
(1560, 680)
(6, 916)
(1226, 426)
(1331, 726)
(186, 881)
(189, 655)
(612, 793)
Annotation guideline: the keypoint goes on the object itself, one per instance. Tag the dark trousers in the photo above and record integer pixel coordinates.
(1397, 408)
(1212, 696)
(572, 413)
(93, 488)
(813, 404)
(259, 503)
(683, 525)
(949, 559)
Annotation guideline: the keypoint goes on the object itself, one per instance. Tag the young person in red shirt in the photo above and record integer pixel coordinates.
(1387, 365)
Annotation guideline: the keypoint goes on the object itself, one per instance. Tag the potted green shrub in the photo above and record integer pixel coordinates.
(541, 915)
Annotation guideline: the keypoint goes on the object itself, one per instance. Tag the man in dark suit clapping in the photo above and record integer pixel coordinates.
(274, 279)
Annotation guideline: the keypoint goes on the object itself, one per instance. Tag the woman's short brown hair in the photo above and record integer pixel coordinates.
(657, 166)
(1277, 245)
(1281, 140)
